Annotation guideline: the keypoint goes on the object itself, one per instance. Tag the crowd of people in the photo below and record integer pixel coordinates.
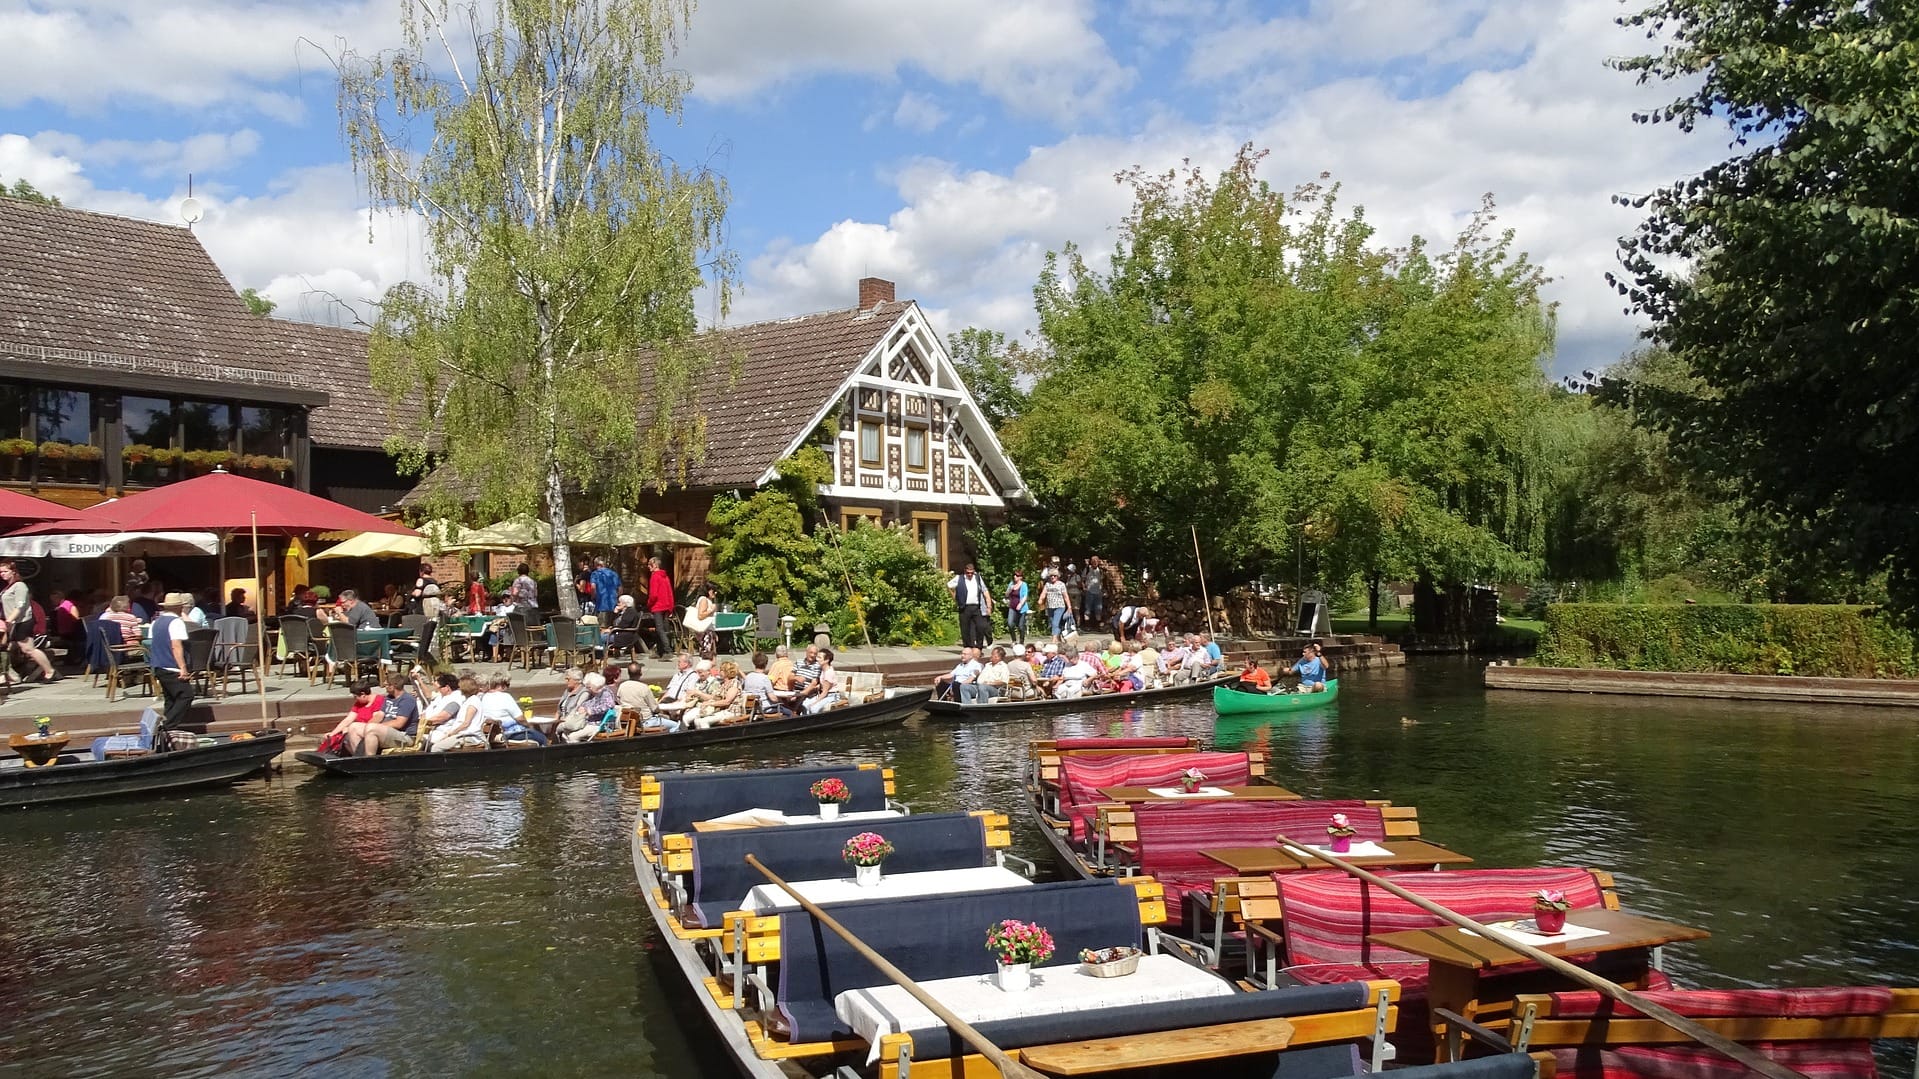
(1050, 670)
(1070, 600)
(467, 710)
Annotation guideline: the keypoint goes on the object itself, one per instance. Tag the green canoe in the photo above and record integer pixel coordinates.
(1232, 702)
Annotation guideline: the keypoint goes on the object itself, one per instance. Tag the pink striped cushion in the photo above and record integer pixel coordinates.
(1836, 1059)
(1171, 834)
(1411, 977)
(1819, 1002)
(1082, 778)
(1328, 915)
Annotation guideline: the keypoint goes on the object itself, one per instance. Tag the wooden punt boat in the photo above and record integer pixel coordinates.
(1004, 709)
(1228, 701)
(891, 709)
(779, 988)
(74, 776)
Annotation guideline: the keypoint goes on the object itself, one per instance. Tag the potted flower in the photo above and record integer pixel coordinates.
(16, 450)
(1190, 779)
(53, 456)
(526, 707)
(1339, 834)
(279, 465)
(865, 852)
(253, 462)
(1549, 911)
(165, 459)
(1108, 962)
(831, 793)
(1017, 946)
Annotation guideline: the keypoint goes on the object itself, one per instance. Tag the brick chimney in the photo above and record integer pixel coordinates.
(875, 291)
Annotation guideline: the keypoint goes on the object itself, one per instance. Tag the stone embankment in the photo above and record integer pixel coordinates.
(1739, 687)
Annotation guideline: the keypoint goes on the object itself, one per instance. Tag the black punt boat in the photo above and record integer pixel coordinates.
(891, 709)
(76, 775)
(1001, 709)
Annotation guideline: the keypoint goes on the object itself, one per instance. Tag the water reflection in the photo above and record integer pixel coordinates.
(491, 926)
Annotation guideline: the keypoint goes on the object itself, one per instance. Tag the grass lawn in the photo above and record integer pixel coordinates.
(1521, 634)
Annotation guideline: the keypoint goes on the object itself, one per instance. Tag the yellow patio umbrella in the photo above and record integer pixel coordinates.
(624, 528)
(514, 533)
(434, 535)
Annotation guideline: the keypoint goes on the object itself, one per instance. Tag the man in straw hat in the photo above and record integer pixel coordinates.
(167, 653)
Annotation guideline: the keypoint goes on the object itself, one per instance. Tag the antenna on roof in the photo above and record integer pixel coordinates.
(190, 208)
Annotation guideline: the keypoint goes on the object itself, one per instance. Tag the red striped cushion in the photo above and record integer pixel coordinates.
(1082, 778)
(1328, 915)
(1411, 977)
(1171, 834)
(1837, 1059)
(1817, 1002)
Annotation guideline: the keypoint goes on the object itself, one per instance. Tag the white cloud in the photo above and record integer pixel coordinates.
(917, 112)
(203, 153)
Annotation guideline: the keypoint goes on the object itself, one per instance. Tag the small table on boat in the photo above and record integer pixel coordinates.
(1056, 990)
(1259, 793)
(1463, 962)
(36, 752)
(1400, 854)
(769, 899)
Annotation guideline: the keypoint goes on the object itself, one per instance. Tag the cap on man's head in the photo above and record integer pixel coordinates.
(1051, 649)
(703, 665)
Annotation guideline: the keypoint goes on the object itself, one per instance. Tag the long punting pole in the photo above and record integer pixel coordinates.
(259, 620)
(1008, 1067)
(1708, 1038)
(1203, 598)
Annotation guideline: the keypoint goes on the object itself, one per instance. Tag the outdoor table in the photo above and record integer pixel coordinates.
(732, 623)
(1469, 971)
(773, 818)
(1399, 854)
(384, 638)
(1172, 793)
(1057, 990)
(769, 899)
(35, 751)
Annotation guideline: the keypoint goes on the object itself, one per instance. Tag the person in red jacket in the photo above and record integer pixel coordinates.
(659, 603)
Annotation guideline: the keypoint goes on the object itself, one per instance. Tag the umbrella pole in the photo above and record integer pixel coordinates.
(260, 620)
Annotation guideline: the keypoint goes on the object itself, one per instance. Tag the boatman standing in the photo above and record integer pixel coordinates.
(975, 607)
(167, 653)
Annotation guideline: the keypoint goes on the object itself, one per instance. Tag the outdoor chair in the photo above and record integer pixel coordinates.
(420, 648)
(519, 640)
(235, 651)
(562, 640)
(343, 653)
(96, 650)
(199, 649)
(296, 644)
(766, 619)
(125, 661)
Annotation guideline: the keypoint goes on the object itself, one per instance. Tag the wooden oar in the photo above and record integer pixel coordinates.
(1708, 1038)
(1008, 1067)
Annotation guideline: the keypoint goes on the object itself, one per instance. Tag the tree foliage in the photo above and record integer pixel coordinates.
(1785, 276)
(564, 250)
(990, 367)
(256, 303)
(1259, 367)
(26, 192)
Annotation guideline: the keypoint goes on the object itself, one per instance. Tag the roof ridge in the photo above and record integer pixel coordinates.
(790, 319)
(8, 201)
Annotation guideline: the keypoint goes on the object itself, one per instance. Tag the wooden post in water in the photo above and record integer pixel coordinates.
(1710, 1039)
(1008, 1067)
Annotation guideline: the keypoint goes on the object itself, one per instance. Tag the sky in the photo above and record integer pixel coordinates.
(947, 145)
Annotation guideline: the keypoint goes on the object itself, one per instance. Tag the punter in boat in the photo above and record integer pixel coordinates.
(954, 684)
(1254, 678)
(1311, 670)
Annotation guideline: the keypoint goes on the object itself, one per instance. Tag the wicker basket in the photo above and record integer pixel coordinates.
(1118, 968)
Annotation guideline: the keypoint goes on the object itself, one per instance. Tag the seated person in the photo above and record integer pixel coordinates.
(397, 724)
(364, 710)
(1021, 682)
(1311, 671)
(952, 686)
(684, 683)
(1051, 668)
(829, 689)
(634, 693)
(805, 672)
(717, 697)
(1254, 678)
(440, 717)
(590, 715)
(497, 705)
(1200, 663)
(623, 626)
(990, 683)
(1149, 669)
(757, 685)
(237, 606)
(120, 612)
(572, 696)
(1073, 678)
(354, 612)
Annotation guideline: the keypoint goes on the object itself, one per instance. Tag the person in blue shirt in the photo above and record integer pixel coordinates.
(1311, 670)
(606, 588)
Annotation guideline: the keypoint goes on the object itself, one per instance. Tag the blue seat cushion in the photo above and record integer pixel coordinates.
(113, 743)
(686, 797)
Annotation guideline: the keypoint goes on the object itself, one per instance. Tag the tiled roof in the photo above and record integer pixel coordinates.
(335, 360)
(91, 282)
(787, 368)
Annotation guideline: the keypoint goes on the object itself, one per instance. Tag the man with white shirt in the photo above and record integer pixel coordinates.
(951, 685)
(1073, 679)
(685, 680)
(975, 604)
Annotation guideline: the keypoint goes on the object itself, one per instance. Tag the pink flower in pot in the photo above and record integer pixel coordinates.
(1549, 911)
(1340, 834)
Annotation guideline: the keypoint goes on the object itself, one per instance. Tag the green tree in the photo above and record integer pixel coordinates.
(564, 250)
(256, 303)
(990, 367)
(1784, 276)
(885, 588)
(26, 192)
(761, 549)
(1259, 368)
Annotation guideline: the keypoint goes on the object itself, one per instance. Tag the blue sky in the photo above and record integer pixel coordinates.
(946, 144)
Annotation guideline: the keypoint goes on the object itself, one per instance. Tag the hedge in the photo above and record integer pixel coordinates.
(1733, 638)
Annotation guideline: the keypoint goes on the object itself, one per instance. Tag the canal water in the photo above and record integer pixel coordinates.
(492, 927)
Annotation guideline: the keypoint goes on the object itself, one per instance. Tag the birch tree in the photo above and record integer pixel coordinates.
(552, 355)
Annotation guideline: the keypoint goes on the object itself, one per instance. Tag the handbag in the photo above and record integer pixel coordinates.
(332, 743)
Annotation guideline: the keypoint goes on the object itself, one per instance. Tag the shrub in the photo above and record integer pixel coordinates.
(896, 595)
(1777, 639)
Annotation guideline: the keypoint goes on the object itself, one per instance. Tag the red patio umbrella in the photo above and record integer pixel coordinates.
(222, 502)
(17, 509)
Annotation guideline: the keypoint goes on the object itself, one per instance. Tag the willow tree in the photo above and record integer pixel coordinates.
(564, 250)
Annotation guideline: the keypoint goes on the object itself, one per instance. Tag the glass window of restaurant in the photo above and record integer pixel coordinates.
(147, 440)
(265, 441)
(63, 424)
(16, 441)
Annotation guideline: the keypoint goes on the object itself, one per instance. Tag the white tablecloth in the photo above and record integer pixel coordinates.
(769, 898)
(1365, 848)
(1203, 792)
(1523, 930)
(770, 818)
(888, 1009)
